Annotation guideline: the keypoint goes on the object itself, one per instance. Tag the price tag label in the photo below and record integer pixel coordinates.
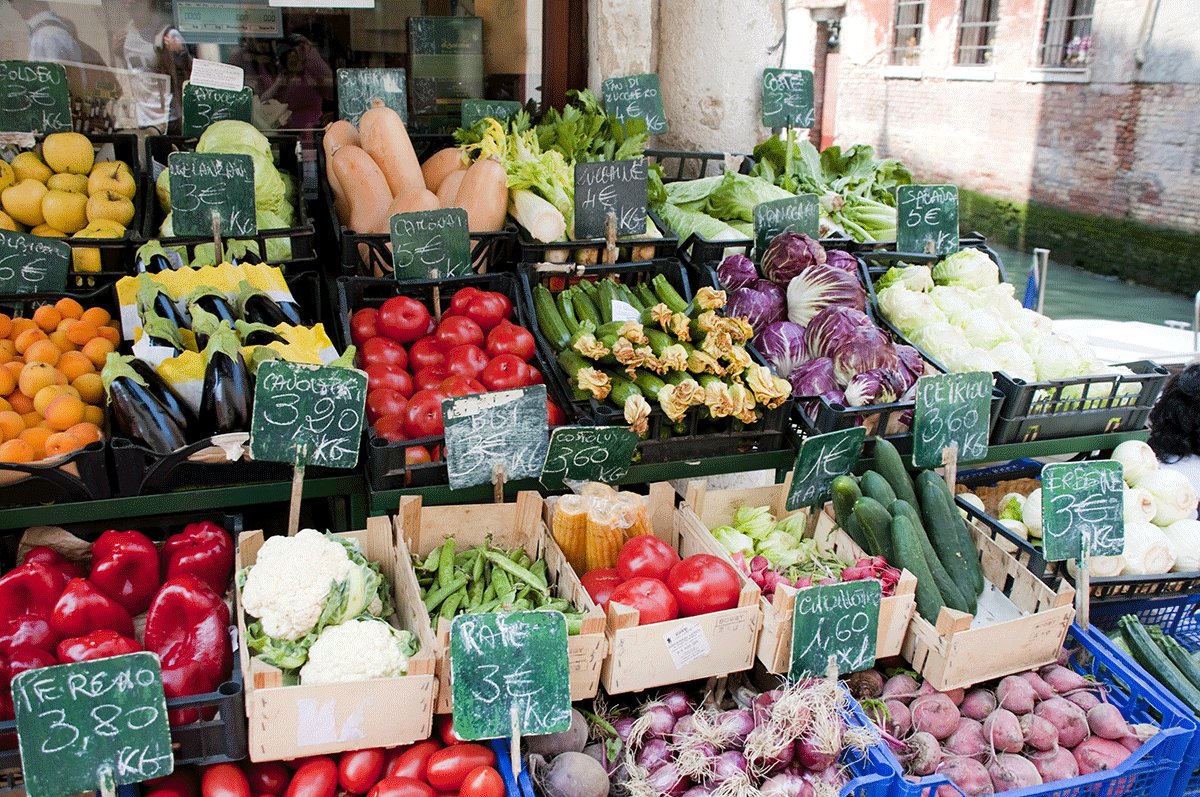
(510, 669)
(952, 409)
(204, 184)
(31, 264)
(787, 98)
(500, 110)
(838, 620)
(588, 453)
(203, 105)
(216, 75)
(78, 723)
(430, 240)
(610, 187)
(358, 87)
(927, 219)
(820, 460)
(636, 97)
(1082, 501)
(34, 97)
(310, 414)
(795, 214)
(506, 428)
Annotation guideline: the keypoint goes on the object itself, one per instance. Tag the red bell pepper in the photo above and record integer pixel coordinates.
(13, 662)
(188, 627)
(204, 550)
(30, 590)
(97, 645)
(27, 630)
(82, 609)
(45, 555)
(125, 568)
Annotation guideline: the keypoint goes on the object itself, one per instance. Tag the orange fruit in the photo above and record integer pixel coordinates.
(11, 424)
(59, 338)
(86, 432)
(97, 350)
(96, 316)
(32, 419)
(19, 325)
(36, 376)
(8, 382)
(28, 338)
(20, 403)
(81, 332)
(16, 451)
(110, 333)
(47, 317)
(62, 443)
(43, 351)
(4, 405)
(73, 364)
(8, 351)
(90, 387)
(46, 395)
(93, 415)
(68, 307)
(37, 436)
(64, 412)
(6, 326)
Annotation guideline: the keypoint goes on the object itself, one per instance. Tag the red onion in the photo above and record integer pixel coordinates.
(728, 765)
(781, 760)
(668, 780)
(685, 726)
(623, 725)
(654, 754)
(599, 751)
(699, 791)
(834, 776)
(761, 709)
(787, 786)
(677, 701)
(736, 725)
(811, 757)
(662, 721)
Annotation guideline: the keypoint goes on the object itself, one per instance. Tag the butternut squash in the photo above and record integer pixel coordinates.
(337, 135)
(441, 165)
(484, 195)
(411, 202)
(385, 139)
(366, 190)
(448, 190)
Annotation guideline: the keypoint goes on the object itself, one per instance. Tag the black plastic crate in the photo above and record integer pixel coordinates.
(590, 251)
(701, 437)
(300, 236)
(682, 164)
(387, 465)
(975, 239)
(702, 257)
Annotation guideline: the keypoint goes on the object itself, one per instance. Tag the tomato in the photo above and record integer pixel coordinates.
(403, 319)
(461, 386)
(554, 414)
(508, 338)
(504, 373)
(431, 376)
(417, 455)
(488, 309)
(224, 780)
(389, 377)
(382, 350)
(703, 584)
(424, 352)
(443, 728)
(423, 415)
(390, 428)
(270, 777)
(401, 787)
(532, 375)
(600, 584)
(449, 767)
(359, 770)
(482, 782)
(315, 778)
(382, 402)
(181, 783)
(414, 762)
(649, 596)
(646, 556)
(466, 360)
(462, 297)
(364, 325)
(457, 331)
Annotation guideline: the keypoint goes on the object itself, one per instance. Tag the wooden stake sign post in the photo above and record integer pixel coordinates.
(1083, 508)
(30, 264)
(604, 187)
(588, 453)
(307, 415)
(834, 627)
(495, 437)
(951, 421)
(927, 219)
(795, 214)
(428, 244)
(212, 195)
(34, 97)
(636, 97)
(820, 460)
(92, 725)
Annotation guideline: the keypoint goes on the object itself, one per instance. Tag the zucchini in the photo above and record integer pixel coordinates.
(622, 388)
(585, 308)
(629, 297)
(946, 533)
(565, 311)
(1150, 656)
(549, 321)
(951, 595)
(646, 295)
(874, 485)
(908, 556)
(648, 383)
(1178, 656)
(876, 524)
(889, 465)
(668, 295)
(604, 300)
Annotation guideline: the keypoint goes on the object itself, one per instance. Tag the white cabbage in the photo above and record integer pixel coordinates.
(908, 310)
(970, 268)
(1014, 361)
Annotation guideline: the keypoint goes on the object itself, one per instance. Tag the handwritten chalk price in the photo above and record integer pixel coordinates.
(34, 97)
(507, 428)
(307, 414)
(822, 459)
(1083, 508)
(589, 453)
(794, 214)
(205, 184)
(636, 97)
(428, 242)
(358, 87)
(31, 264)
(927, 219)
(952, 410)
(787, 98)
(617, 187)
(838, 621)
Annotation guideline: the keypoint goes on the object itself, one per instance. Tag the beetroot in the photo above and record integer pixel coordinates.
(968, 774)
(922, 754)
(900, 687)
(1015, 694)
(866, 684)
(1096, 754)
(1013, 772)
(968, 740)
(1054, 765)
(977, 704)
(1002, 730)
(1063, 680)
(1066, 717)
(1105, 720)
(1042, 689)
(956, 696)
(1039, 733)
(1084, 699)
(900, 718)
(935, 714)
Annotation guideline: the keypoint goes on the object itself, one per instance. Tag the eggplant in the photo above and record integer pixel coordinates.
(257, 307)
(176, 407)
(212, 301)
(136, 413)
(257, 334)
(227, 398)
(157, 263)
(152, 299)
(161, 332)
(203, 323)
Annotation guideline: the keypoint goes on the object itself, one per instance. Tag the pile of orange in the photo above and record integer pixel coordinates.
(51, 395)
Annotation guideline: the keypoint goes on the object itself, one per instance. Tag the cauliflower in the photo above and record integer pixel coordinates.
(358, 650)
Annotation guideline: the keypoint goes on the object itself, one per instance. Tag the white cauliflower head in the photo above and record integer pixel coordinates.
(358, 650)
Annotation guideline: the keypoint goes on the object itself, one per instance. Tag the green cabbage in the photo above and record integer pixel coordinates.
(232, 137)
(915, 278)
(685, 223)
(968, 268)
(738, 194)
(734, 541)
(755, 521)
(908, 310)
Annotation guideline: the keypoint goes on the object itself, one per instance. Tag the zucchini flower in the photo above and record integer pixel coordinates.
(768, 389)
(717, 399)
(708, 321)
(716, 343)
(593, 382)
(710, 298)
(632, 357)
(690, 391)
(700, 362)
(661, 315)
(679, 325)
(738, 359)
(673, 358)
(743, 403)
(589, 347)
(637, 415)
(673, 402)
(738, 328)
(632, 330)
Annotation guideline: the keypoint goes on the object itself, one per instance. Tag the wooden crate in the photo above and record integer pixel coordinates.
(951, 654)
(423, 528)
(294, 721)
(707, 509)
(640, 657)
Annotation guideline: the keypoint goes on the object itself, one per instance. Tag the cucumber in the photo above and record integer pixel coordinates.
(1150, 656)
(951, 595)
(876, 486)
(845, 492)
(876, 524)
(855, 530)
(566, 311)
(908, 556)
(891, 467)
(947, 533)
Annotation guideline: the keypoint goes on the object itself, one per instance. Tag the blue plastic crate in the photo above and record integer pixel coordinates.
(1152, 771)
(1176, 616)
(870, 771)
(521, 785)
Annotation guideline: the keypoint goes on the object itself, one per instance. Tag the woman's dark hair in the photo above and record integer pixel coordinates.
(1175, 419)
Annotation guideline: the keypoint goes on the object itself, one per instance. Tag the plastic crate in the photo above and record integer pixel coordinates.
(1176, 615)
(1151, 771)
(864, 247)
(681, 164)
(700, 438)
(590, 251)
(387, 463)
(300, 236)
(515, 784)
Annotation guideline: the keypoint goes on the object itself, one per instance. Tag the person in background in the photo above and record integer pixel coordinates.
(304, 83)
(149, 85)
(256, 57)
(1175, 425)
(175, 61)
(51, 38)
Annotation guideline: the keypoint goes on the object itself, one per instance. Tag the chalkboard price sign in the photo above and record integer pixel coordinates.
(927, 219)
(430, 240)
(822, 459)
(588, 453)
(795, 214)
(357, 87)
(952, 410)
(34, 97)
(204, 184)
(636, 97)
(31, 264)
(610, 187)
(510, 670)
(83, 722)
(787, 98)
(839, 621)
(307, 414)
(500, 110)
(483, 430)
(203, 105)
(1082, 501)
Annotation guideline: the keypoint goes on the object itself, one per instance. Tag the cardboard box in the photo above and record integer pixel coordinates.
(294, 721)
(707, 509)
(643, 657)
(421, 529)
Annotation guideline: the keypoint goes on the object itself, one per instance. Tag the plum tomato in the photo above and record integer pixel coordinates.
(702, 584)
(504, 373)
(646, 556)
(461, 386)
(423, 415)
(382, 350)
(390, 428)
(652, 599)
(384, 401)
(389, 377)
(431, 376)
(457, 331)
(508, 338)
(600, 584)
(467, 360)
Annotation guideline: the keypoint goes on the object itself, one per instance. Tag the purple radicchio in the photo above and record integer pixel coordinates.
(825, 333)
(841, 259)
(782, 343)
(866, 349)
(877, 386)
(813, 378)
(912, 367)
(789, 254)
(736, 271)
(821, 286)
(761, 303)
